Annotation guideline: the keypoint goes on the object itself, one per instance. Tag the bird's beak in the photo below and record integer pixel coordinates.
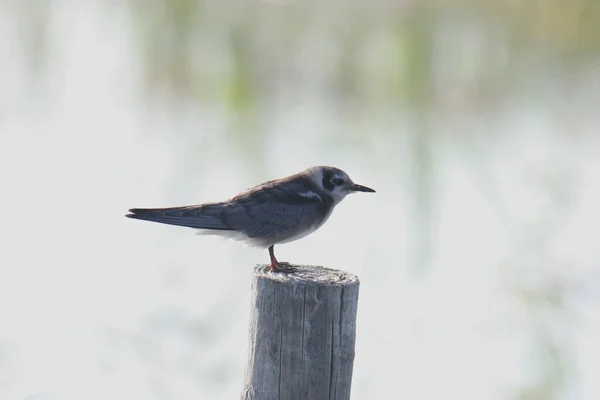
(361, 188)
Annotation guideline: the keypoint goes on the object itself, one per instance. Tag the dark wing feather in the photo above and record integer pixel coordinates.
(278, 209)
(203, 216)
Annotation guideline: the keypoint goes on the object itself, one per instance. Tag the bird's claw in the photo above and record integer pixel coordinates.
(282, 266)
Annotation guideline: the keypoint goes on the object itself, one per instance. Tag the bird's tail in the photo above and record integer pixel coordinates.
(204, 216)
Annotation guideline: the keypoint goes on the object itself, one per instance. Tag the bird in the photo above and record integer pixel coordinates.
(272, 213)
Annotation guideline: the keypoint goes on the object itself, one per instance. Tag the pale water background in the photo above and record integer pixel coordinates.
(476, 122)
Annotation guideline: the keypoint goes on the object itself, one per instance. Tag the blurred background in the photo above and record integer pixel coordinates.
(476, 122)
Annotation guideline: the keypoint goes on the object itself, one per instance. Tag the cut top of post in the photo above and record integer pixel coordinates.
(308, 275)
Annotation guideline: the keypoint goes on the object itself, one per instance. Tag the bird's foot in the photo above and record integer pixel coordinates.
(281, 266)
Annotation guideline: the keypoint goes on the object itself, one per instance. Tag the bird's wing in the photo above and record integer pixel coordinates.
(203, 216)
(277, 208)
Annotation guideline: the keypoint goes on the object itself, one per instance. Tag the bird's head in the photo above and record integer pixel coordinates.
(335, 182)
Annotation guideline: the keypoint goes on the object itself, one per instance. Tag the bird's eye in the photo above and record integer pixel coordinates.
(337, 181)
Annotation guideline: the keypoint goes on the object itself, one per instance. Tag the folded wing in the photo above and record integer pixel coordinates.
(203, 216)
(277, 212)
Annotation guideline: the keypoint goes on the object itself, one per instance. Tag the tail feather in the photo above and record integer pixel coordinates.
(208, 216)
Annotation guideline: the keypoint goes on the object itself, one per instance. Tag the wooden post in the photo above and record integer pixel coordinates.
(302, 334)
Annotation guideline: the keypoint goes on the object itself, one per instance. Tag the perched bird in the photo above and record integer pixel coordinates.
(277, 211)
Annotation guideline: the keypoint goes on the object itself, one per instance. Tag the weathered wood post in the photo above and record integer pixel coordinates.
(302, 334)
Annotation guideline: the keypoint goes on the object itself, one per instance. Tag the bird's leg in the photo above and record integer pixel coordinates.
(278, 265)
(273, 259)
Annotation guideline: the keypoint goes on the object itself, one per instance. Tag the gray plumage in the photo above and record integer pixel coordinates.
(277, 211)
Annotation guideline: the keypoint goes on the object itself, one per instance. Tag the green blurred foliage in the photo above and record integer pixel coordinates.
(384, 47)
